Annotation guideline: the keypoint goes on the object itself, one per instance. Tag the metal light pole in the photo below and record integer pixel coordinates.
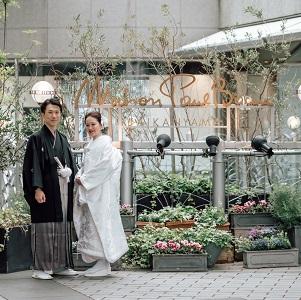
(126, 187)
(218, 169)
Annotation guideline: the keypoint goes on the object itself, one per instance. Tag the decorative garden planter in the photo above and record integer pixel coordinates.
(271, 258)
(141, 224)
(213, 252)
(294, 235)
(226, 256)
(180, 262)
(16, 255)
(251, 220)
(225, 227)
(180, 224)
(241, 224)
(128, 222)
(79, 264)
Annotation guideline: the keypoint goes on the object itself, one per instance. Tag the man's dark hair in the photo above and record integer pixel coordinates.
(53, 101)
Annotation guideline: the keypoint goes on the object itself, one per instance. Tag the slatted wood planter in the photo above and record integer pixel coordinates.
(271, 258)
(180, 263)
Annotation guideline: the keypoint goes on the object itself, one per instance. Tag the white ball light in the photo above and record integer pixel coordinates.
(293, 122)
(41, 91)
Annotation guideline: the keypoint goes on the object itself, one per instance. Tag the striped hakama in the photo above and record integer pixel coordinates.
(51, 243)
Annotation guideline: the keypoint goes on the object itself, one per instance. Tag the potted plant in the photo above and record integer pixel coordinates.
(267, 248)
(14, 236)
(178, 256)
(181, 216)
(251, 213)
(127, 217)
(172, 217)
(151, 218)
(286, 203)
(141, 243)
(213, 240)
(213, 216)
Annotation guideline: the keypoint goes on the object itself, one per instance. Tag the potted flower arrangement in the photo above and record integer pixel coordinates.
(127, 217)
(14, 235)
(286, 203)
(150, 218)
(178, 256)
(213, 216)
(172, 217)
(267, 248)
(251, 213)
(142, 241)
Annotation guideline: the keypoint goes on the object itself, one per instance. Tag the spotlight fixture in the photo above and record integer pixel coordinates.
(259, 143)
(212, 141)
(163, 141)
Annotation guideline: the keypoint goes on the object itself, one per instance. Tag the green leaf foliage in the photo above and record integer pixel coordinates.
(286, 204)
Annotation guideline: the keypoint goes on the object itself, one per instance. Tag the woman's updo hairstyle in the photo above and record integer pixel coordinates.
(94, 114)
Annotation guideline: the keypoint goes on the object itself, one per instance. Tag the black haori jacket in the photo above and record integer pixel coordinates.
(40, 170)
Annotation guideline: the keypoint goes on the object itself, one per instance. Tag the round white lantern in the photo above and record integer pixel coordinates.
(293, 122)
(41, 91)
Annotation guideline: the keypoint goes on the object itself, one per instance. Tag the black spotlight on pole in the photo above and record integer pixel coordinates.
(212, 141)
(259, 143)
(163, 141)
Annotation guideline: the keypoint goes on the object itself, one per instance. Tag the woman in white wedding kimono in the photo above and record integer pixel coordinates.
(96, 210)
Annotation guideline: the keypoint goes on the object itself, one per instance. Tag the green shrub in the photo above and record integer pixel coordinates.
(286, 204)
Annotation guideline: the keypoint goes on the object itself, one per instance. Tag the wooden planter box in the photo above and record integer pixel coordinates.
(226, 256)
(271, 258)
(16, 255)
(141, 224)
(180, 263)
(180, 224)
(251, 220)
(128, 222)
(224, 227)
(79, 264)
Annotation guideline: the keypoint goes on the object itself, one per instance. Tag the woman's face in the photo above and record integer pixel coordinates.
(93, 127)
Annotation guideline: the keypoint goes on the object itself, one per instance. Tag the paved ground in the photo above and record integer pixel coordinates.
(228, 281)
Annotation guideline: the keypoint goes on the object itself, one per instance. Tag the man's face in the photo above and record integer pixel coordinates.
(52, 116)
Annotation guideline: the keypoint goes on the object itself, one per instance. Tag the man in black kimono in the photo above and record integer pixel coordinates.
(48, 176)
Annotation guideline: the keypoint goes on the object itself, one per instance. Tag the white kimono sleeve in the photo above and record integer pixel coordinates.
(101, 170)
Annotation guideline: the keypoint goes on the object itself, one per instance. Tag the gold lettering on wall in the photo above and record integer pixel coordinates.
(104, 95)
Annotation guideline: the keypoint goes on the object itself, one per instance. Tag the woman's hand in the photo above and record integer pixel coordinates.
(77, 180)
(40, 196)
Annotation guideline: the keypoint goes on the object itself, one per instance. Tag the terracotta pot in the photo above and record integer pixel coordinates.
(141, 224)
(225, 227)
(180, 224)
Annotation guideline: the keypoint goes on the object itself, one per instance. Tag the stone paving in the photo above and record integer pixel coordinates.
(229, 281)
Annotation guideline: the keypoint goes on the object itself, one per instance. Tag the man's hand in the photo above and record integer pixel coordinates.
(40, 196)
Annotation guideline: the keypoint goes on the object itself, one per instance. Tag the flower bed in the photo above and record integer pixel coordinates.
(180, 255)
(267, 247)
(142, 241)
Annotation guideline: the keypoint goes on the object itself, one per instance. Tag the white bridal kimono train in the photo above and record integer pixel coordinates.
(96, 208)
